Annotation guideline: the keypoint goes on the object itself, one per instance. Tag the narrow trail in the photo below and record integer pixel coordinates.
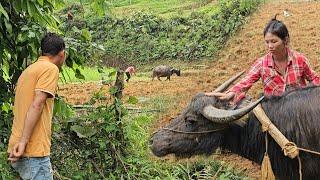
(238, 54)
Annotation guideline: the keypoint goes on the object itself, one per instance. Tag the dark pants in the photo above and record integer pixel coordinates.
(128, 76)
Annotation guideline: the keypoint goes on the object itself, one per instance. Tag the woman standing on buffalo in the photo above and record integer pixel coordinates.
(281, 69)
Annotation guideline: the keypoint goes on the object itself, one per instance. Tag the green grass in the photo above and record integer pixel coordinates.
(165, 8)
(90, 74)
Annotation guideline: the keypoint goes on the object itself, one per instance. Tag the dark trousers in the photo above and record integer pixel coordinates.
(128, 76)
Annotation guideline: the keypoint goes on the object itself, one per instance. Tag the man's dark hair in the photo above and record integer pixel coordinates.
(52, 44)
(277, 28)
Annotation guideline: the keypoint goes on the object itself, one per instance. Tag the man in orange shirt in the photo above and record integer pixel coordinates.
(30, 140)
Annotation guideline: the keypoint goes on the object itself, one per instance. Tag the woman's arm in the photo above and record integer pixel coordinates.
(237, 92)
(252, 76)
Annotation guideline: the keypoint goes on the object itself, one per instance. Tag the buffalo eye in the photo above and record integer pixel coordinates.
(190, 122)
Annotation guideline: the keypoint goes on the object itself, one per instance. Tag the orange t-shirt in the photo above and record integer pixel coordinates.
(40, 76)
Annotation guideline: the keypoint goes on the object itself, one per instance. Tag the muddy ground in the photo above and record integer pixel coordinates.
(239, 53)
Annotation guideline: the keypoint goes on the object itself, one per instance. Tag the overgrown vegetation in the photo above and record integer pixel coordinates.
(145, 37)
(86, 148)
(90, 145)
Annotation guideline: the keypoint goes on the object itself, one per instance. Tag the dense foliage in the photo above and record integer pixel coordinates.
(146, 37)
(88, 147)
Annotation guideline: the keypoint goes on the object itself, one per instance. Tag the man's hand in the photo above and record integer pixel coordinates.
(17, 151)
(223, 96)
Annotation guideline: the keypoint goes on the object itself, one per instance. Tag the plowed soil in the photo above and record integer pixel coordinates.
(239, 53)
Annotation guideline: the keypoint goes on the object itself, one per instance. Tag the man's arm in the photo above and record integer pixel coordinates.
(32, 117)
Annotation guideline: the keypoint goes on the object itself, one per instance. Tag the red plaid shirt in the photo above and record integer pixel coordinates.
(298, 71)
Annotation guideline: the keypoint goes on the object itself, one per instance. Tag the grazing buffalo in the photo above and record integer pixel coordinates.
(208, 123)
(164, 71)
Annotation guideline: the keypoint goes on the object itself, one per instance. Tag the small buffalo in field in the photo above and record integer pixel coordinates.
(164, 71)
(208, 123)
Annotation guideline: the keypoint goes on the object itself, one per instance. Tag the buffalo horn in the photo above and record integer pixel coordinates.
(227, 116)
(226, 84)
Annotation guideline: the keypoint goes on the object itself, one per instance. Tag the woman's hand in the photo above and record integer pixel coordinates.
(223, 96)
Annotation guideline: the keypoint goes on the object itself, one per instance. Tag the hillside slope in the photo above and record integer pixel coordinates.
(239, 53)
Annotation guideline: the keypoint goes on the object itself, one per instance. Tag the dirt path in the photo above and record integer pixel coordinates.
(239, 53)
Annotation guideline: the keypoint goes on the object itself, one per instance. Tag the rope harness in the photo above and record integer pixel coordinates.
(289, 149)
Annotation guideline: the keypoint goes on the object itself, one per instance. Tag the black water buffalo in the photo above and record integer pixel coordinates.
(296, 114)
